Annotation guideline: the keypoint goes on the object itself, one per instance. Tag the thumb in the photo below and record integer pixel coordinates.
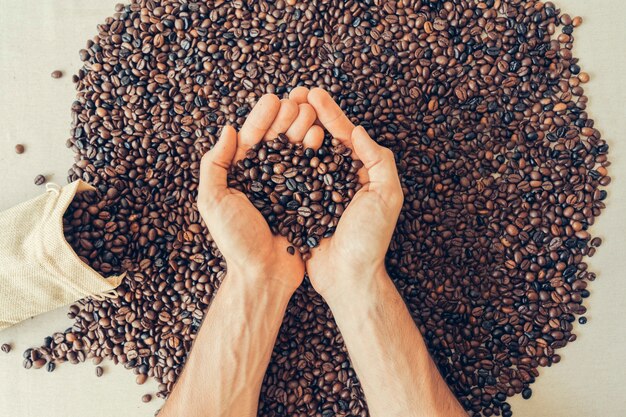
(215, 164)
(377, 160)
(367, 150)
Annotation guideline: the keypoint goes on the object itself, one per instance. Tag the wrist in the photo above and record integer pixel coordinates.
(359, 286)
(259, 278)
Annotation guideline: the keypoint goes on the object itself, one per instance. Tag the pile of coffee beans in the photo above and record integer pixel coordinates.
(502, 171)
(301, 192)
(99, 234)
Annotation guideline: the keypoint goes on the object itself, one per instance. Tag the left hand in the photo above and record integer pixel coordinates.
(238, 228)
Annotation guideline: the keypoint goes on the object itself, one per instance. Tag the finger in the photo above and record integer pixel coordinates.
(313, 137)
(299, 94)
(304, 121)
(285, 117)
(331, 116)
(259, 120)
(378, 161)
(215, 164)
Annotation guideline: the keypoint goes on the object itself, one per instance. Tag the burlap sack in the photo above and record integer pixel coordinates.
(39, 271)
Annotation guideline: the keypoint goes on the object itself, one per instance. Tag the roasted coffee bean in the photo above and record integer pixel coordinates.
(278, 197)
(141, 378)
(582, 320)
(99, 371)
(6, 348)
(146, 398)
(56, 74)
(19, 149)
(489, 133)
(39, 180)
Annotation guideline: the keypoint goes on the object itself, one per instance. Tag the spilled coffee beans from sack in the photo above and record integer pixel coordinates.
(99, 232)
(502, 170)
(301, 192)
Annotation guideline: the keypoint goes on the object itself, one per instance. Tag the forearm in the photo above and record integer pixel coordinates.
(389, 354)
(225, 369)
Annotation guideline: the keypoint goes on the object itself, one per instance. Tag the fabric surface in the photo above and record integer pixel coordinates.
(39, 271)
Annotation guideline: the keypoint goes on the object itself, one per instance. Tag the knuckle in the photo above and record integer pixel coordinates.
(306, 109)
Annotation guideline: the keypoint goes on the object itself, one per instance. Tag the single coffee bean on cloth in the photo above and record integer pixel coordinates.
(483, 106)
(301, 192)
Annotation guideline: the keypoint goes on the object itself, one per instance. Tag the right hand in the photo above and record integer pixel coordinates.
(356, 251)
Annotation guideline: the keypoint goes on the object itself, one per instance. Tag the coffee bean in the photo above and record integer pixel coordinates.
(291, 250)
(146, 398)
(19, 149)
(312, 241)
(512, 230)
(39, 363)
(304, 211)
(582, 320)
(99, 371)
(256, 187)
(39, 180)
(583, 77)
(56, 74)
(278, 179)
(6, 348)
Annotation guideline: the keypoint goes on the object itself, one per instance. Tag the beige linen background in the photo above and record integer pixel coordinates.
(40, 36)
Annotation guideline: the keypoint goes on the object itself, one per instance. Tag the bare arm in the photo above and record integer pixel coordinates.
(389, 354)
(224, 374)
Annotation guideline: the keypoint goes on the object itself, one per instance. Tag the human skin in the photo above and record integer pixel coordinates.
(225, 370)
(388, 353)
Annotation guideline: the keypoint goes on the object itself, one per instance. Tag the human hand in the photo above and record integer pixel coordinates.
(356, 251)
(238, 228)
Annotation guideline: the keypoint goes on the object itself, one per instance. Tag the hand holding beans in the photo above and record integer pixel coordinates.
(387, 350)
(239, 229)
(363, 233)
